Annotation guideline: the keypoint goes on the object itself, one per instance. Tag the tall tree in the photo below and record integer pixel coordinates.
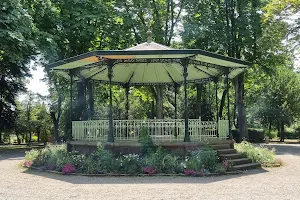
(17, 35)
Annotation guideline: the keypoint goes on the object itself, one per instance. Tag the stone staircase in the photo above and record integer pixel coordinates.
(239, 161)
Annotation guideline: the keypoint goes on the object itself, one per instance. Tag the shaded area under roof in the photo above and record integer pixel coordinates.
(150, 63)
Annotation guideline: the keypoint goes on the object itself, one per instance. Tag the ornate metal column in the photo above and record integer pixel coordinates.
(127, 101)
(228, 104)
(175, 103)
(185, 62)
(90, 86)
(110, 137)
(175, 106)
(217, 105)
(71, 99)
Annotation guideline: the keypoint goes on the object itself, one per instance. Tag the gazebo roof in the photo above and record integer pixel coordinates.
(150, 63)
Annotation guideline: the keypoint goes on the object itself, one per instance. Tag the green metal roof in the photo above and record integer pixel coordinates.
(150, 63)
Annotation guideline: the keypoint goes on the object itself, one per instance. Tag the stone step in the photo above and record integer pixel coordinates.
(240, 161)
(220, 146)
(225, 151)
(231, 156)
(247, 166)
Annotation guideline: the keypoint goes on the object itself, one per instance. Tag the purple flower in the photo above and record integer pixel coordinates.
(68, 168)
(225, 163)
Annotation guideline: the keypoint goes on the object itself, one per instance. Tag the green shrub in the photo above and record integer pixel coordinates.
(106, 162)
(34, 138)
(256, 135)
(271, 135)
(32, 155)
(103, 161)
(147, 146)
(256, 154)
(205, 158)
(163, 162)
(131, 164)
(50, 157)
(290, 133)
(155, 159)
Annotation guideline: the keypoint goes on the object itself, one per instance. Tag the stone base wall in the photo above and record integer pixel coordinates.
(180, 148)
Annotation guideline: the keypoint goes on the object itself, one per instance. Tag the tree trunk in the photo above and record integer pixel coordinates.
(55, 119)
(242, 122)
(281, 132)
(18, 138)
(38, 135)
(222, 104)
(199, 88)
(159, 102)
(29, 138)
(152, 109)
(55, 126)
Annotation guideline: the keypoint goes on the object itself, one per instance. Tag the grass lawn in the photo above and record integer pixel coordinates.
(11, 147)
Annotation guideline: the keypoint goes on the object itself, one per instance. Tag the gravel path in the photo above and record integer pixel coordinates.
(276, 183)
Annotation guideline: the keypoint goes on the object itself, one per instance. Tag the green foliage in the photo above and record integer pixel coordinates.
(259, 154)
(256, 135)
(102, 161)
(163, 162)
(279, 105)
(51, 157)
(32, 155)
(145, 139)
(205, 158)
(17, 35)
(34, 138)
(131, 164)
(271, 134)
(290, 133)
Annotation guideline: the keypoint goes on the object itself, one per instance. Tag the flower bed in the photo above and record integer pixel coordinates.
(261, 154)
(203, 162)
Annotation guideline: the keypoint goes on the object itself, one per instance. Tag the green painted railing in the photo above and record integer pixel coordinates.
(158, 129)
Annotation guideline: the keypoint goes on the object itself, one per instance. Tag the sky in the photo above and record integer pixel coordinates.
(36, 84)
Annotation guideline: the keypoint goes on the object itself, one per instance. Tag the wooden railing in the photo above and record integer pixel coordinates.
(158, 129)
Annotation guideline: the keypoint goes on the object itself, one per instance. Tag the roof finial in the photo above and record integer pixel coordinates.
(149, 38)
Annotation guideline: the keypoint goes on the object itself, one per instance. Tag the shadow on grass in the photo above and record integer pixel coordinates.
(78, 179)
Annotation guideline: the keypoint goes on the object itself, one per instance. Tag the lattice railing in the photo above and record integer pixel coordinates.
(94, 130)
(158, 129)
(201, 130)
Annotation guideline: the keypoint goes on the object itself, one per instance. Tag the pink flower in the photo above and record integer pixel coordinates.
(190, 172)
(225, 163)
(27, 164)
(68, 168)
(150, 170)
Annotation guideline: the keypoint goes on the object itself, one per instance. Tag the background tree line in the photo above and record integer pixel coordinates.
(254, 30)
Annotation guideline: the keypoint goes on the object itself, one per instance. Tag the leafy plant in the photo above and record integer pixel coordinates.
(155, 159)
(147, 146)
(205, 158)
(131, 164)
(106, 162)
(259, 154)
